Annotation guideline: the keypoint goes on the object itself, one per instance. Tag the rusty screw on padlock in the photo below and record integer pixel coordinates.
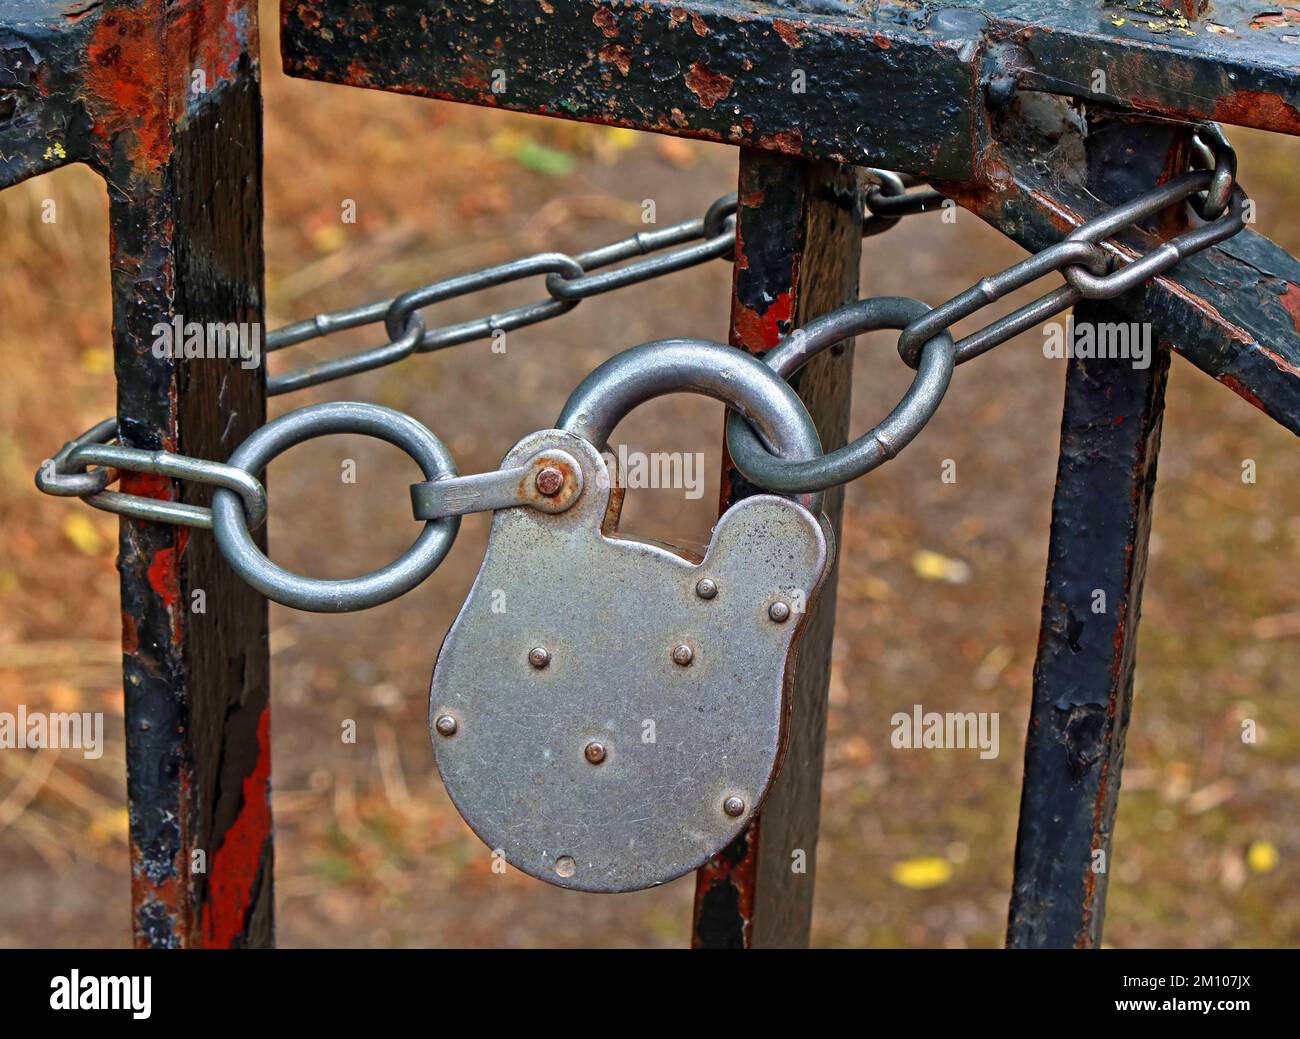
(549, 481)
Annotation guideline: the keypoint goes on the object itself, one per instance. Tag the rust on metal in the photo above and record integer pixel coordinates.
(1101, 522)
(162, 100)
(798, 242)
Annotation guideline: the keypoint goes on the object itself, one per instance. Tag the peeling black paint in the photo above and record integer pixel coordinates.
(1083, 675)
(96, 84)
(872, 93)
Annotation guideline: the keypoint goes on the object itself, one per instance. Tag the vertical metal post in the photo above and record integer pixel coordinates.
(173, 93)
(1101, 520)
(798, 244)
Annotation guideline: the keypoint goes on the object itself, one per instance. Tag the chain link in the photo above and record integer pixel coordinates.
(889, 202)
(569, 280)
(65, 475)
(1094, 267)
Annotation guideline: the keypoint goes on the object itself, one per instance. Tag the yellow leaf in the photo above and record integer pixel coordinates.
(877, 588)
(1262, 856)
(329, 238)
(620, 138)
(114, 824)
(920, 874)
(931, 566)
(506, 142)
(63, 697)
(78, 529)
(97, 360)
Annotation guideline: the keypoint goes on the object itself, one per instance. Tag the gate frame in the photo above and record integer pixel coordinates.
(942, 95)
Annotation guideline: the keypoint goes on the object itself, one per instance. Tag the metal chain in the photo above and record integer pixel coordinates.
(569, 280)
(1094, 267)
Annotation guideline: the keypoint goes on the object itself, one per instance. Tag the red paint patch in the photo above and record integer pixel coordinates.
(474, 75)
(164, 575)
(606, 22)
(130, 635)
(616, 54)
(236, 865)
(755, 331)
(710, 87)
(788, 142)
(1259, 109)
(139, 67)
(358, 74)
(1291, 300)
(124, 85)
(1241, 391)
(787, 32)
(147, 485)
(738, 872)
(216, 35)
(1276, 19)
(75, 16)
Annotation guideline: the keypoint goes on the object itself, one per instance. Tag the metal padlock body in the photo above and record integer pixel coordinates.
(678, 740)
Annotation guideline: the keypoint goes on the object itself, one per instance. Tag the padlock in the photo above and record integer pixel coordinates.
(608, 713)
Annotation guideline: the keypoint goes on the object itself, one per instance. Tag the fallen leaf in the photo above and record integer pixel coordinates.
(614, 141)
(63, 697)
(877, 589)
(97, 360)
(329, 238)
(676, 152)
(923, 873)
(931, 566)
(1262, 856)
(543, 159)
(78, 529)
(108, 826)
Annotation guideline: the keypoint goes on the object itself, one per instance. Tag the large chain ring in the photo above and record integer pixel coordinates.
(876, 446)
(355, 593)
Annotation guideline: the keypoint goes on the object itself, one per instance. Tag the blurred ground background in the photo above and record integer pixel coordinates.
(939, 590)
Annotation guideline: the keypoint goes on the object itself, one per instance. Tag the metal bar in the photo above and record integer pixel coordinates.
(1188, 59)
(881, 84)
(1233, 310)
(798, 243)
(172, 91)
(163, 101)
(1101, 519)
(43, 123)
(758, 76)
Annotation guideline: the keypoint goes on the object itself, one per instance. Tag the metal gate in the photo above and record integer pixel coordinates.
(1041, 118)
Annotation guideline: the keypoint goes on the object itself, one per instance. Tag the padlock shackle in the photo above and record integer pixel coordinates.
(738, 379)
